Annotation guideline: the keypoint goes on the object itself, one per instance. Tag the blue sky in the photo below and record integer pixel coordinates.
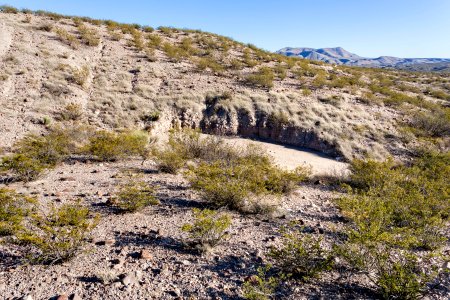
(404, 28)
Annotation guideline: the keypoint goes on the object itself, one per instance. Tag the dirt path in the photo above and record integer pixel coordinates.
(291, 157)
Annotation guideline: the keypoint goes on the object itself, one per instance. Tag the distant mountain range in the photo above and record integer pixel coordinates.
(341, 56)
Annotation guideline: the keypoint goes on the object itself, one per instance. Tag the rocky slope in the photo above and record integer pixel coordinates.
(123, 86)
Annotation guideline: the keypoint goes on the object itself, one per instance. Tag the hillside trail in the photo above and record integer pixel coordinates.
(289, 157)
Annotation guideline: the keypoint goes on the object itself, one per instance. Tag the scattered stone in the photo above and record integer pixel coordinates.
(118, 261)
(129, 280)
(185, 262)
(107, 242)
(76, 297)
(145, 254)
(27, 297)
(67, 179)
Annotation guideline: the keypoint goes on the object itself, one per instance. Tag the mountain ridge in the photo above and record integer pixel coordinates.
(340, 56)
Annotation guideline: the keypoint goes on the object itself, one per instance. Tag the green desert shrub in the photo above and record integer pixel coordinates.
(397, 274)
(234, 183)
(154, 41)
(396, 210)
(22, 167)
(138, 40)
(134, 195)
(405, 206)
(434, 123)
(110, 146)
(59, 235)
(8, 9)
(261, 286)
(437, 94)
(207, 230)
(35, 153)
(14, 208)
(301, 255)
(205, 63)
(175, 53)
(168, 160)
(263, 77)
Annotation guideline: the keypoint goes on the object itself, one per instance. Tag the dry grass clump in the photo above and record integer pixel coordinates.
(80, 75)
(89, 36)
(71, 112)
(263, 78)
(67, 38)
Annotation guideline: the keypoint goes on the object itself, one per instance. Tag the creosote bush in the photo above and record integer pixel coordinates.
(239, 181)
(301, 255)
(36, 153)
(261, 286)
(134, 195)
(14, 208)
(59, 235)
(110, 146)
(207, 230)
(398, 216)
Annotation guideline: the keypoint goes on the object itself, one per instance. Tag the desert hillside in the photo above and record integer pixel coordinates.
(164, 163)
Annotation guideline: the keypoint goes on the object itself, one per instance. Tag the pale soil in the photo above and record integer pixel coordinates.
(291, 157)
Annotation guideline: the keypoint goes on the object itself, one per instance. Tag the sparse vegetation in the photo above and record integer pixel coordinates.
(111, 146)
(134, 195)
(14, 208)
(71, 112)
(59, 235)
(263, 77)
(261, 286)
(207, 230)
(67, 38)
(80, 75)
(89, 36)
(302, 255)
(233, 183)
